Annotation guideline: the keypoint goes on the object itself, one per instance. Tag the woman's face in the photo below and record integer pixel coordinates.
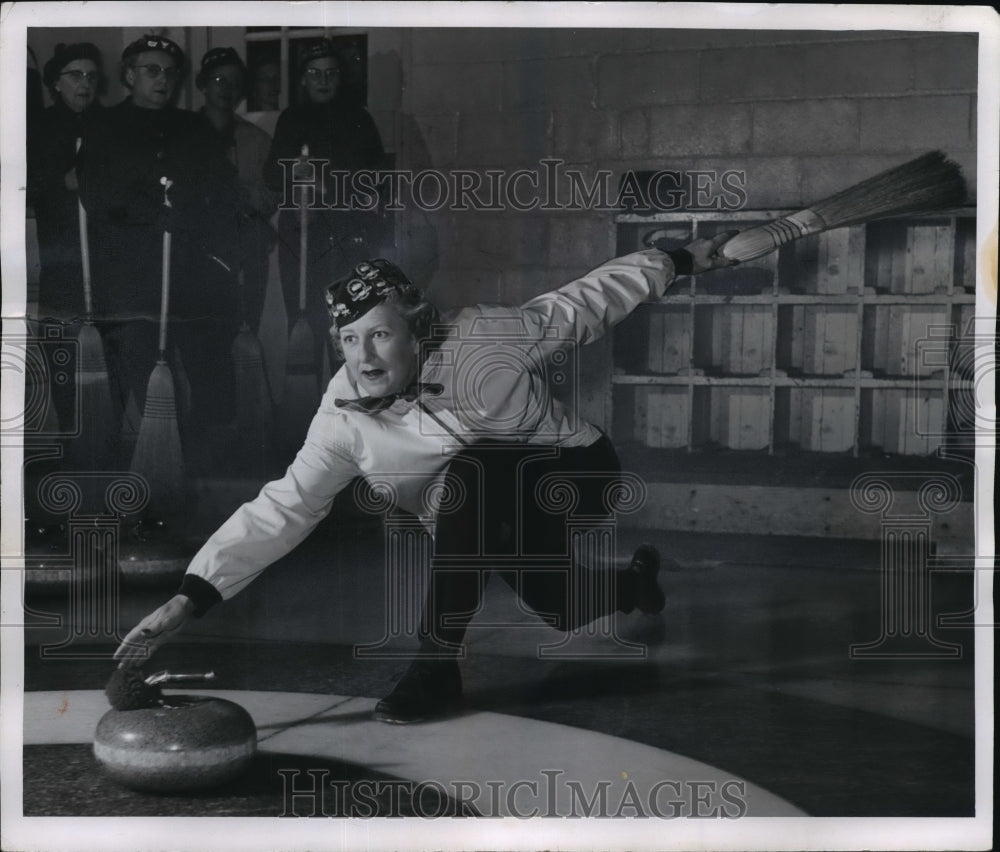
(380, 351)
(77, 84)
(152, 79)
(224, 88)
(321, 79)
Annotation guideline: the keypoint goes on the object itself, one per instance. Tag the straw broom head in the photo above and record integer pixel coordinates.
(930, 182)
(301, 390)
(158, 455)
(253, 397)
(92, 447)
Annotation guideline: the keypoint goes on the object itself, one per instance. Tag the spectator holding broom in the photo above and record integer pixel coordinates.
(141, 141)
(73, 77)
(339, 136)
(77, 387)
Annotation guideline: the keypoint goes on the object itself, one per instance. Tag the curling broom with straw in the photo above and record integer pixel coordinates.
(301, 392)
(930, 182)
(158, 455)
(91, 446)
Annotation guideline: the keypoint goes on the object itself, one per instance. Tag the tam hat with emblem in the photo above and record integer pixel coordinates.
(318, 50)
(154, 42)
(216, 58)
(370, 284)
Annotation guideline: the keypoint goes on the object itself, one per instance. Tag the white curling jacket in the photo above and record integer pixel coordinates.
(495, 365)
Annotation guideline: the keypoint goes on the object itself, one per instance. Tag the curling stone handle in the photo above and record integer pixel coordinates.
(166, 677)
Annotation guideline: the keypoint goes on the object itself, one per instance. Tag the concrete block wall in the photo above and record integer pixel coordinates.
(802, 113)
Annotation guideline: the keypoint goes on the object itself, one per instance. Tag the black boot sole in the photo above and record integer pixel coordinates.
(393, 717)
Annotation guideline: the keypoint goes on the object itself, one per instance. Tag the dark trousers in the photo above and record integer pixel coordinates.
(131, 349)
(512, 517)
(256, 239)
(57, 370)
(201, 347)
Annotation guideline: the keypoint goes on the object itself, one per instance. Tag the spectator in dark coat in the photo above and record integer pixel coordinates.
(73, 77)
(142, 140)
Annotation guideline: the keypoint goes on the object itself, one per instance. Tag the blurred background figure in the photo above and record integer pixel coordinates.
(266, 89)
(222, 80)
(344, 137)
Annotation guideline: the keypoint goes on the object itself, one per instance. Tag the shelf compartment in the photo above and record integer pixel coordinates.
(734, 340)
(829, 264)
(659, 417)
(915, 258)
(894, 336)
(818, 340)
(908, 422)
(738, 417)
(669, 333)
(816, 419)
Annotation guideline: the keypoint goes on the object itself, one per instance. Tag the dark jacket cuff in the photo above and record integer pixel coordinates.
(683, 261)
(201, 592)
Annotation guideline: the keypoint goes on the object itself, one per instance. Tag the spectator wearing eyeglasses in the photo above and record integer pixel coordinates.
(342, 136)
(142, 140)
(73, 77)
(222, 81)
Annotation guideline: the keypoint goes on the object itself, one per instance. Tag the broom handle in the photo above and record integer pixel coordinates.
(165, 288)
(303, 240)
(88, 298)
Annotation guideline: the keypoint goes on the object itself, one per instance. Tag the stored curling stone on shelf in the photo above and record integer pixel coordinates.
(47, 569)
(58, 556)
(171, 743)
(152, 552)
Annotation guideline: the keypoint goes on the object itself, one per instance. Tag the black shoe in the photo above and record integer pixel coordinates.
(649, 597)
(430, 689)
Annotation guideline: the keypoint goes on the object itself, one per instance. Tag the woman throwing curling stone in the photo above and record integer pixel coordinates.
(421, 399)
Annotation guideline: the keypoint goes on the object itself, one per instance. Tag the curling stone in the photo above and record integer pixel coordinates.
(153, 555)
(187, 742)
